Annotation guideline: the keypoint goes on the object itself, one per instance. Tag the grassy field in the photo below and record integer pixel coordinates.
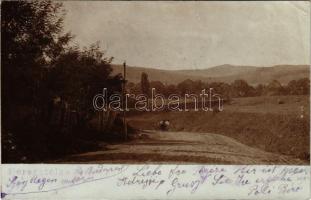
(277, 124)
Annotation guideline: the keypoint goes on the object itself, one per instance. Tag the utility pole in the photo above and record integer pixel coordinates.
(124, 98)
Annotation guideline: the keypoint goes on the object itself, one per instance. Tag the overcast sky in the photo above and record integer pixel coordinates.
(192, 35)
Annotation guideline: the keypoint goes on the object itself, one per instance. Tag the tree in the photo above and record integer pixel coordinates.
(275, 88)
(170, 89)
(303, 86)
(186, 87)
(134, 88)
(77, 76)
(259, 89)
(299, 87)
(39, 66)
(32, 39)
(241, 88)
(158, 85)
(145, 85)
(292, 88)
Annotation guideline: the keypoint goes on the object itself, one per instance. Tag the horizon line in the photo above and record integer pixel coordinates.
(232, 65)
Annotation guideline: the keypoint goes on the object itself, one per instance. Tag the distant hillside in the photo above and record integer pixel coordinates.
(224, 73)
(256, 75)
(165, 76)
(220, 71)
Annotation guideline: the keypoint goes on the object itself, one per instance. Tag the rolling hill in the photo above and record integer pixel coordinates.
(165, 76)
(224, 73)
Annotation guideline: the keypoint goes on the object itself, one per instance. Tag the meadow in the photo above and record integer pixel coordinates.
(278, 124)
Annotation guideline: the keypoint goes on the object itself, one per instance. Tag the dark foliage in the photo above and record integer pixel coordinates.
(239, 88)
(47, 85)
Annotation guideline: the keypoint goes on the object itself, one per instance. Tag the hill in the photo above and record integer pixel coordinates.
(224, 73)
(220, 71)
(165, 76)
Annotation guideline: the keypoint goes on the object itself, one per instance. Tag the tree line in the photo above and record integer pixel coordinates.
(238, 88)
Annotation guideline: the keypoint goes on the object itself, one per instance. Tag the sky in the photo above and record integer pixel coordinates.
(194, 35)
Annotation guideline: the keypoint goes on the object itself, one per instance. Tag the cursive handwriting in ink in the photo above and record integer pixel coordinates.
(16, 183)
(263, 189)
(145, 176)
(41, 182)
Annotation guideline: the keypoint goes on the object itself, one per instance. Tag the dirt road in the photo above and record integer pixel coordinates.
(180, 147)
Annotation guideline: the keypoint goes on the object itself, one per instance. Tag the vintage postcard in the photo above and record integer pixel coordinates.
(155, 100)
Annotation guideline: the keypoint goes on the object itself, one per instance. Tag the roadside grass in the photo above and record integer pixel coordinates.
(259, 122)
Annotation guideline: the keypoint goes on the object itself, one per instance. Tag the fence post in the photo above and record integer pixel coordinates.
(124, 98)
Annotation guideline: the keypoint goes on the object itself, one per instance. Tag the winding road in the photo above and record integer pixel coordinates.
(180, 147)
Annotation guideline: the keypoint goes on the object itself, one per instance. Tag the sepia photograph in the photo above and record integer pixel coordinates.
(131, 82)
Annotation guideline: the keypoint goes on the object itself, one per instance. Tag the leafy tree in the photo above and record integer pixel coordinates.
(241, 88)
(79, 75)
(223, 89)
(303, 86)
(32, 39)
(275, 88)
(299, 87)
(292, 87)
(259, 89)
(186, 87)
(170, 89)
(38, 67)
(159, 86)
(134, 88)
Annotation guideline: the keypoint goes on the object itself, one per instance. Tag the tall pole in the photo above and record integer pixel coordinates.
(124, 99)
